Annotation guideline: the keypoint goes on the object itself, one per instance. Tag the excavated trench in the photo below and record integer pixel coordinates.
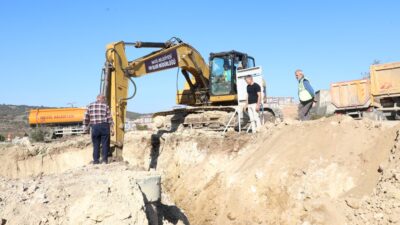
(318, 172)
(290, 173)
(123, 194)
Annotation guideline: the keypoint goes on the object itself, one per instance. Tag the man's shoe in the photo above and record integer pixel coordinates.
(104, 162)
(95, 162)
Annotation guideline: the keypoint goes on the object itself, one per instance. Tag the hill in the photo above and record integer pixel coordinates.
(133, 115)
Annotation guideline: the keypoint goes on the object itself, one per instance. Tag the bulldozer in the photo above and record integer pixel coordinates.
(209, 95)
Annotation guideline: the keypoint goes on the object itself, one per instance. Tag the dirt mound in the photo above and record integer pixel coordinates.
(383, 205)
(290, 173)
(95, 194)
(54, 183)
(329, 171)
(89, 195)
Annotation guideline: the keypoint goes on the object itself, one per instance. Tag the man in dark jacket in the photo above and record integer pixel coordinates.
(306, 96)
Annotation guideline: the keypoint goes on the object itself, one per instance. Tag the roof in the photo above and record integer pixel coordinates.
(216, 54)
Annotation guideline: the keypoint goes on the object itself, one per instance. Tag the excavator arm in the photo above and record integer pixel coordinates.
(118, 71)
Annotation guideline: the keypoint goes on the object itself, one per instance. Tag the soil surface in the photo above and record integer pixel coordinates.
(329, 171)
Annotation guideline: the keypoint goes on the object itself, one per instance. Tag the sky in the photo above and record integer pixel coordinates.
(53, 51)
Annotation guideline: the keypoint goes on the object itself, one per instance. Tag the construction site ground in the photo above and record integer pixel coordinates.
(334, 170)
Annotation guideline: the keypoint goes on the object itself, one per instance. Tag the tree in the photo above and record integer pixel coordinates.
(376, 62)
(141, 127)
(367, 75)
(37, 135)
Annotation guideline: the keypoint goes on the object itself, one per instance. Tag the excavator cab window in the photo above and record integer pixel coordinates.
(221, 75)
(250, 62)
(223, 71)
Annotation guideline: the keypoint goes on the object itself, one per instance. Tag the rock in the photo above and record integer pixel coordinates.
(230, 216)
(259, 175)
(44, 221)
(299, 173)
(41, 198)
(24, 188)
(378, 216)
(380, 168)
(353, 203)
(290, 121)
(21, 141)
(393, 192)
(396, 176)
(394, 218)
(32, 189)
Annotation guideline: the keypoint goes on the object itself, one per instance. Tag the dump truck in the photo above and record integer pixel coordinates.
(57, 121)
(377, 96)
(385, 89)
(351, 97)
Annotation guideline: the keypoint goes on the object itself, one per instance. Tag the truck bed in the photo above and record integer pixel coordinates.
(353, 94)
(385, 79)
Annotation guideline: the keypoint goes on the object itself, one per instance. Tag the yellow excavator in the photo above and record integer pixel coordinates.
(209, 92)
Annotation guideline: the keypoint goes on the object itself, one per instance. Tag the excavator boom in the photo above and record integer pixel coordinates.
(118, 71)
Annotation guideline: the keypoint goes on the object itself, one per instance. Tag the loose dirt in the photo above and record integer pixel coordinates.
(330, 171)
(290, 173)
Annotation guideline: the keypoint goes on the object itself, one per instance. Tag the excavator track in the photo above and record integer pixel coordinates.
(202, 117)
(214, 118)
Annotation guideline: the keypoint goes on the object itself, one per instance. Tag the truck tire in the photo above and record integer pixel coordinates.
(397, 116)
(268, 116)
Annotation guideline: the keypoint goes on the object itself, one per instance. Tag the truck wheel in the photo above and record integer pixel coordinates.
(268, 116)
(397, 116)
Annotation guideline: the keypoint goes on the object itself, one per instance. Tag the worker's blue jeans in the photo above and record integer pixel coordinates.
(100, 136)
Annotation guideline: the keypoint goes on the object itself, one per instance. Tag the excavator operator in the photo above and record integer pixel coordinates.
(227, 73)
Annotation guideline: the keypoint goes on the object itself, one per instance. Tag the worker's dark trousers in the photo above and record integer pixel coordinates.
(304, 110)
(100, 135)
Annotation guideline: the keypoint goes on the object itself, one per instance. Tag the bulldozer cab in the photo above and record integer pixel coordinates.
(223, 68)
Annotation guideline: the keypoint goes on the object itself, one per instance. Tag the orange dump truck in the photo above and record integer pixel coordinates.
(351, 97)
(378, 96)
(385, 88)
(60, 121)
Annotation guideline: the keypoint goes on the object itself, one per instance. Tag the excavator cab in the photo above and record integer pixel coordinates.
(223, 67)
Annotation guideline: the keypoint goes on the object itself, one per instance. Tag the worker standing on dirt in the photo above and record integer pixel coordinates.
(98, 118)
(306, 96)
(253, 103)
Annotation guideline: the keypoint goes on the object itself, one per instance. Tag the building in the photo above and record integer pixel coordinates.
(280, 101)
(142, 122)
